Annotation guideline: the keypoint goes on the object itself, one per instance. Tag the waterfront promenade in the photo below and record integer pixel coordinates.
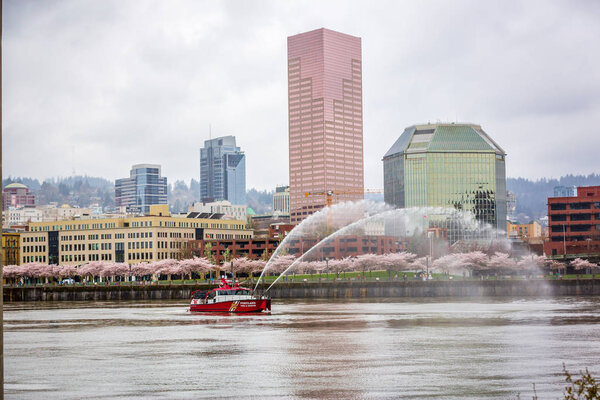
(320, 289)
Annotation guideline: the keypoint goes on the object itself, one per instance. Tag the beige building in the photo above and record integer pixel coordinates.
(133, 240)
(523, 231)
(21, 216)
(281, 200)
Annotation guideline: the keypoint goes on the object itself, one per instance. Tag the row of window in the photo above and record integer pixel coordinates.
(36, 249)
(72, 237)
(574, 206)
(574, 217)
(29, 239)
(135, 224)
(28, 259)
(134, 235)
(139, 245)
(84, 257)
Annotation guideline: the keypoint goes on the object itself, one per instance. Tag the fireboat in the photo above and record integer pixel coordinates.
(227, 299)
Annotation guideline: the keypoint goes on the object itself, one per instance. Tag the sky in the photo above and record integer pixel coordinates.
(93, 87)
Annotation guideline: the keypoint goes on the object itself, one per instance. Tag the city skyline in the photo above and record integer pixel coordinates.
(523, 70)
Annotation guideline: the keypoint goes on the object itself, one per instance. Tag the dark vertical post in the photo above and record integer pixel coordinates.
(1, 250)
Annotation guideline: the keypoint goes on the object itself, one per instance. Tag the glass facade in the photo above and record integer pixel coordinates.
(448, 165)
(143, 188)
(222, 171)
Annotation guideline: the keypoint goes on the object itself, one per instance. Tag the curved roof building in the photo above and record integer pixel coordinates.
(16, 195)
(447, 165)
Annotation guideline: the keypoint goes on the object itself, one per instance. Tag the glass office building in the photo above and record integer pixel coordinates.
(222, 171)
(143, 188)
(454, 166)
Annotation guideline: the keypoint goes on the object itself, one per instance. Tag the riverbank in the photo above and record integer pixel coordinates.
(316, 290)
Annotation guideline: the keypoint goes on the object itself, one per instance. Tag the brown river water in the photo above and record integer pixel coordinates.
(375, 349)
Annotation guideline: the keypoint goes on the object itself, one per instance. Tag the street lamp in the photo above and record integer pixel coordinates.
(430, 236)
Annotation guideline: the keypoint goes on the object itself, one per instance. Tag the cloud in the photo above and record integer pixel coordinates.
(95, 87)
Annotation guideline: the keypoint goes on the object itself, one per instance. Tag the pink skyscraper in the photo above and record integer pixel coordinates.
(325, 119)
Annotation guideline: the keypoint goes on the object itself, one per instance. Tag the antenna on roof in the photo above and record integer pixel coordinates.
(209, 132)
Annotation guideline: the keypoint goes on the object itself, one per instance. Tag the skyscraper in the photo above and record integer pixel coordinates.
(325, 119)
(143, 188)
(222, 171)
(456, 166)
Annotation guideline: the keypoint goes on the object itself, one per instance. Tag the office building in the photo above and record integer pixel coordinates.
(144, 187)
(148, 238)
(222, 171)
(574, 225)
(222, 208)
(22, 216)
(281, 200)
(17, 195)
(454, 166)
(325, 119)
(565, 191)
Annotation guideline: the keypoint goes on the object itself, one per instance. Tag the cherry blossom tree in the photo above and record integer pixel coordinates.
(501, 262)
(198, 265)
(67, 271)
(12, 272)
(533, 263)
(142, 269)
(91, 269)
(579, 264)
(398, 261)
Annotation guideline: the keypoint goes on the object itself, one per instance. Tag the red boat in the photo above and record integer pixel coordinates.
(228, 299)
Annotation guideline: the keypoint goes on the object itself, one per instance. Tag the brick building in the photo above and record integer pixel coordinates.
(17, 195)
(339, 247)
(574, 225)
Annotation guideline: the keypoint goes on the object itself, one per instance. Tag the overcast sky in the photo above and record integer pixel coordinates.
(92, 87)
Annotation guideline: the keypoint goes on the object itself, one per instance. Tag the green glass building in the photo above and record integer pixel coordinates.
(454, 166)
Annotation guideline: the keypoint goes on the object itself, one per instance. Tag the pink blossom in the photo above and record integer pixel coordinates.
(580, 263)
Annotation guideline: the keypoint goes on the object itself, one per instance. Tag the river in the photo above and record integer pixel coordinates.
(424, 348)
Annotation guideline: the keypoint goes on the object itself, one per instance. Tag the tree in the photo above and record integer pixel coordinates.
(579, 264)
(398, 261)
(208, 252)
(501, 262)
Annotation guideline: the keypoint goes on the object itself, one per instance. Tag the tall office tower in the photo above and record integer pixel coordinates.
(455, 166)
(143, 188)
(281, 200)
(222, 171)
(325, 120)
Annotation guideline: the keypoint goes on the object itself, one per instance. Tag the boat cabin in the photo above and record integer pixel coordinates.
(222, 293)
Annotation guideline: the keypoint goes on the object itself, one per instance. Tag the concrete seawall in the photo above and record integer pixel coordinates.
(314, 290)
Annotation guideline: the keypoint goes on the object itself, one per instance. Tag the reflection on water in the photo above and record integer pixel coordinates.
(438, 348)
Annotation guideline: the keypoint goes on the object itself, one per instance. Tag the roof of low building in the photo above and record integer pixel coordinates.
(16, 185)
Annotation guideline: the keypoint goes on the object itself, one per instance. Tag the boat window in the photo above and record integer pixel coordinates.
(199, 295)
(212, 295)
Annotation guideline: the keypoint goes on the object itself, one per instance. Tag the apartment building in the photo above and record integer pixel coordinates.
(133, 240)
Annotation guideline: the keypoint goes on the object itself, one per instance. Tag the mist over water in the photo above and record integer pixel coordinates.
(439, 349)
(463, 233)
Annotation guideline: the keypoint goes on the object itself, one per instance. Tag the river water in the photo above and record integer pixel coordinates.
(430, 349)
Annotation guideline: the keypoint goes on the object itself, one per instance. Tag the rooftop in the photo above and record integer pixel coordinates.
(444, 137)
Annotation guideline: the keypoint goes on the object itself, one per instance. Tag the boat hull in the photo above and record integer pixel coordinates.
(234, 306)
